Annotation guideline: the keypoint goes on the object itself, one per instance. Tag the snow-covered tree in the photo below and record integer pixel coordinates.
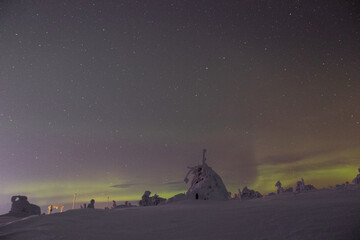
(279, 188)
(206, 184)
(357, 178)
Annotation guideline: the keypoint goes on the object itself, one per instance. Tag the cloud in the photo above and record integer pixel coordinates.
(292, 158)
(123, 185)
(174, 183)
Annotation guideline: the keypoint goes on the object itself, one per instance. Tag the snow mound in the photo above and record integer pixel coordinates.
(176, 198)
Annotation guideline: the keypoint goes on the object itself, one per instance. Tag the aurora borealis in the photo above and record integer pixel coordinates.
(112, 98)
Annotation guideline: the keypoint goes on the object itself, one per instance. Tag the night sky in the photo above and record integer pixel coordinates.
(112, 98)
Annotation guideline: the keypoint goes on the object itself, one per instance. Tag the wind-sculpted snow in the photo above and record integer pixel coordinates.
(322, 214)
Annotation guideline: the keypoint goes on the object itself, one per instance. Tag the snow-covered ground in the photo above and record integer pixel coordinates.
(323, 214)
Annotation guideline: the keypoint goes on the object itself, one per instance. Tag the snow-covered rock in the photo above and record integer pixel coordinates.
(206, 184)
(21, 207)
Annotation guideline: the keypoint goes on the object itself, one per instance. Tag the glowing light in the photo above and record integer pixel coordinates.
(51, 207)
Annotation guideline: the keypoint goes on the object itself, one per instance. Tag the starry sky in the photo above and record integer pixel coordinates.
(112, 98)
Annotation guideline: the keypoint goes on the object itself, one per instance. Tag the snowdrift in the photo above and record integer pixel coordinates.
(323, 214)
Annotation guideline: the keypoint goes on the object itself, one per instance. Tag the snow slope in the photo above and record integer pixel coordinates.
(324, 214)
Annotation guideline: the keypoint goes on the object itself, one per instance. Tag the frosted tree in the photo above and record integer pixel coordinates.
(155, 200)
(279, 187)
(357, 178)
(206, 184)
(300, 186)
(247, 194)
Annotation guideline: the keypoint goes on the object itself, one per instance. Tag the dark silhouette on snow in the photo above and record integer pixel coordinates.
(279, 188)
(145, 199)
(21, 207)
(357, 178)
(125, 205)
(155, 200)
(301, 187)
(247, 194)
(91, 204)
(237, 195)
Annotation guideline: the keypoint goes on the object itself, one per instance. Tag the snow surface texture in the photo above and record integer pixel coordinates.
(323, 214)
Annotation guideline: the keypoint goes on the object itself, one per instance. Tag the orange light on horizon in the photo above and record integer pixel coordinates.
(50, 207)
